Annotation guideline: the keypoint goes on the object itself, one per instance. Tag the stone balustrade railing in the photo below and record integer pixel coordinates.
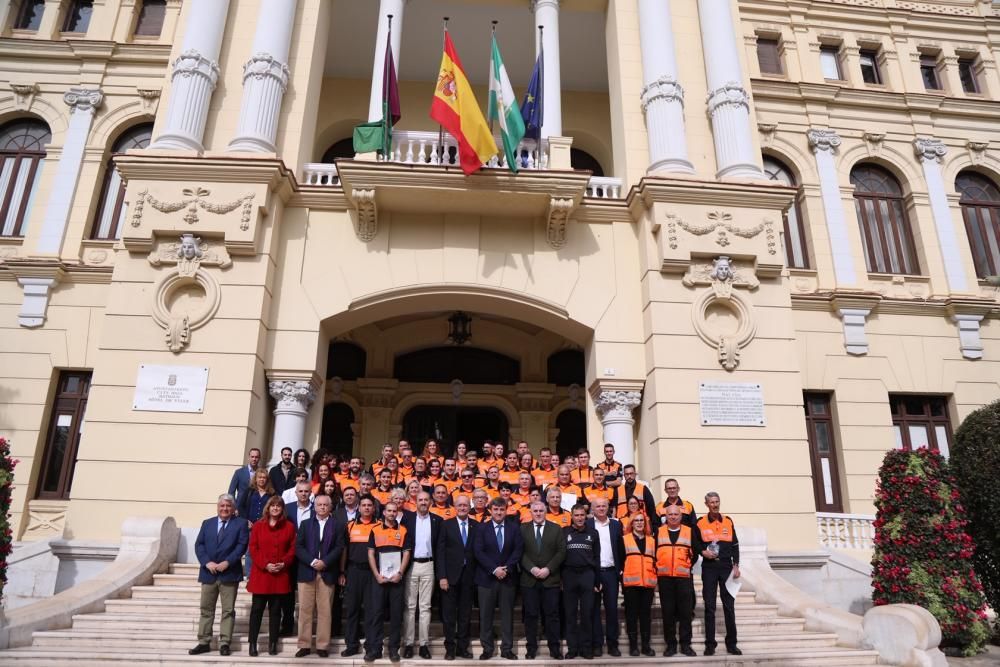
(320, 173)
(603, 187)
(846, 531)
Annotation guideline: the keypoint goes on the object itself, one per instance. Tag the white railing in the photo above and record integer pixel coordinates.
(846, 531)
(603, 187)
(320, 173)
(413, 147)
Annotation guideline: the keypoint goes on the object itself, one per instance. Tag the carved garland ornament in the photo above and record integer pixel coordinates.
(555, 228)
(723, 277)
(367, 225)
(723, 222)
(189, 255)
(194, 199)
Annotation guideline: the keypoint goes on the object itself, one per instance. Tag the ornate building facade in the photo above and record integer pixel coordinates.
(750, 248)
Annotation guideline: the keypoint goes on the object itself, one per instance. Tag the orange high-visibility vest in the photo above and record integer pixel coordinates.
(388, 538)
(593, 493)
(685, 507)
(582, 475)
(512, 477)
(380, 495)
(716, 531)
(545, 477)
(640, 568)
(621, 507)
(673, 560)
(445, 512)
(562, 519)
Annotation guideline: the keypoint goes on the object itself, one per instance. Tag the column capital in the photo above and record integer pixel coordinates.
(730, 94)
(83, 99)
(264, 65)
(535, 4)
(193, 63)
(293, 391)
(823, 140)
(929, 149)
(665, 88)
(616, 403)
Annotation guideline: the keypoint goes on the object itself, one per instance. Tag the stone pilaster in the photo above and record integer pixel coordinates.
(824, 144)
(930, 152)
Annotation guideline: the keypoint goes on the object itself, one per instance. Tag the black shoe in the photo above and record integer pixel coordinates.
(408, 652)
(688, 651)
(449, 655)
(598, 652)
(509, 655)
(393, 656)
(199, 649)
(272, 647)
(587, 656)
(555, 655)
(369, 657)
(614, 652)
(252, 650)
(425, 652)
(322, 652)
(486, 655)
(224, 649)
(710, 650)
(466, 655)
(348, 652)
(669, 651)
(530, 655)
(649, 652)
(633, 652)
(302, 652)
(570, 655)
(733, 651)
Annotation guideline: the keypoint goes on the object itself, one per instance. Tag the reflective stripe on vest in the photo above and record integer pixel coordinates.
(360, 531)
(673, 560)
(639, 493)
(685, 507)
(389, 537)
(716, 531)
(639, 569)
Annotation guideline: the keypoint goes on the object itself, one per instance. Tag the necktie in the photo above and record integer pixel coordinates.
(465, 535)
(538, 536)
(222, 527)
(500, 538)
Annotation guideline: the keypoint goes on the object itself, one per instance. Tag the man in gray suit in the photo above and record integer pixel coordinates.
(544, 552)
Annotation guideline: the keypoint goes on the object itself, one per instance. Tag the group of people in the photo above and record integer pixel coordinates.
(361, 546)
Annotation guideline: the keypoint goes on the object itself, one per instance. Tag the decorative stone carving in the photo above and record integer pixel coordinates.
(457, 387)
(555, 227)
(823, 140)
(665, 88)
(929, 149)
(977, 150)
(721, 275)
(189, 255)
(722, 223)
(855, 338)
(767, 132)
(192, 63)
(24, 95)
(617, 404)
(366, 227)
(150, 98)
(46, 519)
(96, 256)
(193, 200)
(292, 395)
(730, 326)
(873, 141)
(732, 94)
(264, 65)
(968, 335)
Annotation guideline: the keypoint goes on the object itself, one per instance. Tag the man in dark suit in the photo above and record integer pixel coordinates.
(318, 544)
(220, 545)
(455, 569)
(347, 510)
(497, 548)
(240, 482)
(609, 530)
(424, 528)
(283, 473)
(544, 552)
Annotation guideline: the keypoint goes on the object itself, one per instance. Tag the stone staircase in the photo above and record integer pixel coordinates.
(158, 624)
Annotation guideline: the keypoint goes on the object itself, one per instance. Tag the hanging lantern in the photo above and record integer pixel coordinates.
(459, 328)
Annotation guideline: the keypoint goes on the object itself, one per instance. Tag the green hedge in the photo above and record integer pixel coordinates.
(922, 550)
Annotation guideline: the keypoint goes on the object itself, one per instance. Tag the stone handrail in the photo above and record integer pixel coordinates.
(148, 546)
(846, 531)
(603, 187)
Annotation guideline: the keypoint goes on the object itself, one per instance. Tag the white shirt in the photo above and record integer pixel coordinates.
(303, 513)
(422, 536)
(322, 526)
(288, 495)
(604, 532)
(352, 514)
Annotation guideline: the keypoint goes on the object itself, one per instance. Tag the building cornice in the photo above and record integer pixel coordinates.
(83, 49)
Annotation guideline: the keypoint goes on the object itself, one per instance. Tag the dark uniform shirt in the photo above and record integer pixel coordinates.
(583, 549)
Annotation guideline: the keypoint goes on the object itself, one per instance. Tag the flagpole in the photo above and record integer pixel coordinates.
(444, 42)
(386, 118)
(490, 112)
(541, 89)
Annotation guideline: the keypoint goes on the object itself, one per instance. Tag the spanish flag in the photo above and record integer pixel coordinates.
(455, 109)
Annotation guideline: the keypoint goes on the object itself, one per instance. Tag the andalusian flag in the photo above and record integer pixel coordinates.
(455, 109)
(503, 107)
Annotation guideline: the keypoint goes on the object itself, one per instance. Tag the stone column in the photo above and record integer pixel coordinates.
(195, 73)
(293, 398)
(83, 103)
(615, 407)
(930, 152)
(385, 7)
(547, 15)
(824, 144)
(662, 95)
(728, 100)
(265, 77)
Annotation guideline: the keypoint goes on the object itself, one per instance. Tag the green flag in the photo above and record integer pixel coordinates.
(503, 108)
(370, 137)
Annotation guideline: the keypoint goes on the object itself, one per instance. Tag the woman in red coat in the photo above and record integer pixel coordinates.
(272, 552)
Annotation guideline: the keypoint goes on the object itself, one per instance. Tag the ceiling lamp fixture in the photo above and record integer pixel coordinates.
(459, 328)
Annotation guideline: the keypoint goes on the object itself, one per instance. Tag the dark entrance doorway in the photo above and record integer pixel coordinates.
(572, 425)
(449, 423)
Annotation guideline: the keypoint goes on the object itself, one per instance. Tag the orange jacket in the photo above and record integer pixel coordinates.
(640, 568)
(673, 560)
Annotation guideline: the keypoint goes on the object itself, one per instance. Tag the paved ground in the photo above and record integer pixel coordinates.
(989, 659)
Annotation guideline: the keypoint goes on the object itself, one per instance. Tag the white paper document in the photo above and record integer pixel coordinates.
(733, 584)
(389, 563)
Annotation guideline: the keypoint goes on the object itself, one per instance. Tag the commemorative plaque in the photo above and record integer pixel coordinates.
(170, 388)
(731, 404)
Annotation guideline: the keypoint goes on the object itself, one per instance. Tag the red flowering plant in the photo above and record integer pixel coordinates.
(6, 487)
(923, 553)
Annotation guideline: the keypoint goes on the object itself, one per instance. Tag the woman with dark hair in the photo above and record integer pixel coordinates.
(419, 472)
(300, 459)
(332, 489)
(319, 457)
(272, 550)
(322, 474)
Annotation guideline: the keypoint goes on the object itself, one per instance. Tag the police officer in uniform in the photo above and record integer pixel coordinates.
(716, 541)
(581, 579)
(387, 537)
(356, 574)
(675, 556)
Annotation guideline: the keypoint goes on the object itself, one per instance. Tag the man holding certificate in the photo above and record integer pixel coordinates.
(389, 549)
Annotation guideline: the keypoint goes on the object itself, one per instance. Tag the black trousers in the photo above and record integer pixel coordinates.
(273, 604)
(357, 590)
(288, 626)
(541, 602)
(489, 597)
(638, 605)
(676, 603)
(608, 598)
(456, 612)
(578, 596)
(384, 597)
(713, 578)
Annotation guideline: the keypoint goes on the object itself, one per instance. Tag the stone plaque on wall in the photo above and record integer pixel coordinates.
(731, 404)
(170, 388)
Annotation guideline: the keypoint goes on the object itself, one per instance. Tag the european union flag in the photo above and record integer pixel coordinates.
(531, 110)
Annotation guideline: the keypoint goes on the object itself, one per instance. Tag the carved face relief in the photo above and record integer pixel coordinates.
(722, 270)
(188, 248)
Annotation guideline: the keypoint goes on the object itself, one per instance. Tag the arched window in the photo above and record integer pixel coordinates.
(341, 149)
(796, 255)
(22, 155)
(579, 159)
(111, 209)
(566, 367)
(980, 201)
(346, 361)
(885, 231)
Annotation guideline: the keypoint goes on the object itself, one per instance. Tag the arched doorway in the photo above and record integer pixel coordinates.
(572, 425)
(337, 435)
(450, 423)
